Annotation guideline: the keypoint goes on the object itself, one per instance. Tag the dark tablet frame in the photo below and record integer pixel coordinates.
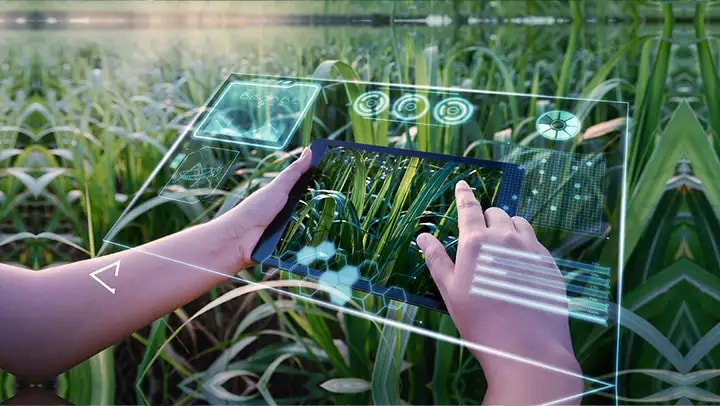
(510, 184)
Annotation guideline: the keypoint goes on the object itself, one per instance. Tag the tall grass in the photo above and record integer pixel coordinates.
(84, 122)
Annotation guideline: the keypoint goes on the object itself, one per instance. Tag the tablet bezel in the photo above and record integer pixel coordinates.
(263, 252)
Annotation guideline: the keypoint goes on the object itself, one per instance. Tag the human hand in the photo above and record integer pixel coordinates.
(498, 258)
(244, 224)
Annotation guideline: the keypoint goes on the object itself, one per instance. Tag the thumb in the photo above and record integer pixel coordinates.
(284, 182)
(439, 263)
(265, 203)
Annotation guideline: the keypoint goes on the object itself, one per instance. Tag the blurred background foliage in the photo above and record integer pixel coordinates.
(86, 115)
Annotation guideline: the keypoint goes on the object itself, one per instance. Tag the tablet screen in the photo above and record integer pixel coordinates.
(355, 217)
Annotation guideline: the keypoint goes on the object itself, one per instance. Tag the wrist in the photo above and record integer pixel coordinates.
(514, 383)
(547, 348)
(549, 352)
(547, 366)
(222, 248)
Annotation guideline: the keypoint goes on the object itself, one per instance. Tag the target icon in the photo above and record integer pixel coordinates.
(370, 104)
(453, 111)
(558, 125)
(410, 107)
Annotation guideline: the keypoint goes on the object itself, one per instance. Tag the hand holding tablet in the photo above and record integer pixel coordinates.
(246, 222)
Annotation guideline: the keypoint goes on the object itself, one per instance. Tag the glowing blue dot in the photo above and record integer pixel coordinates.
(577, 197)
(575, 167)
(348, 275)
(342, 298)
(535, 191)
(553, 178)
(306, 256)
(542, 172)
(514, 197)
(543, 160)
(325, 250)
(330, 278)
(553, 208)
(577, 186)
(589, 163)
(506, 208)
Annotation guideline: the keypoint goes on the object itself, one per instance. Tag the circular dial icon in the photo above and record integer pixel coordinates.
(410, 107)
(558, 125)
(453, 111)
(370, 104)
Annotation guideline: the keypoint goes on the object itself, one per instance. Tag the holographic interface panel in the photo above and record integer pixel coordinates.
(257, 114)
(386, 157)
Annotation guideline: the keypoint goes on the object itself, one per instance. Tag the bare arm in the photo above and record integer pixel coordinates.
(58, 317)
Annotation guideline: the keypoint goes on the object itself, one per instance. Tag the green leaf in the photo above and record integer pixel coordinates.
(388, 361)
(568, 58)
(357, 196)
(319, 330)
(362, 128)
(708, 70)
(647, 124)
(346, 385)
(214, 386)
(611, 64)
(233, 294)
(653, 289)
(92, 382)
(154, 341)
(262, 384)
(683, 136)
(445, 354)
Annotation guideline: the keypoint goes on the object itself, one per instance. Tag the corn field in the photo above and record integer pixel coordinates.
(85, 117)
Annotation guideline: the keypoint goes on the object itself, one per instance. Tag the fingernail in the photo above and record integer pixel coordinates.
(421, 240)
(304, 153)
(462, 184)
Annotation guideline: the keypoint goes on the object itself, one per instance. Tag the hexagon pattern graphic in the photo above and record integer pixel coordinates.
(343, 278)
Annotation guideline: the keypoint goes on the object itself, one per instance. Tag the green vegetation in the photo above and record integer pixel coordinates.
(363, 204)
(86, 117)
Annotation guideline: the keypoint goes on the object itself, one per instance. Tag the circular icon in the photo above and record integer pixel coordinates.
(371, 104)
(453, 111)
(410, 107)
(558, 125)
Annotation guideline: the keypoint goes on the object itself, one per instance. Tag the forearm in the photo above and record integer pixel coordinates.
(83, 317)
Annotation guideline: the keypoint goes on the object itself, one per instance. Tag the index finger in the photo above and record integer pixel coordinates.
(470, 214)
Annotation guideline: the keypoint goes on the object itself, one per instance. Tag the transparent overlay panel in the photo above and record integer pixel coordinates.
(350, 244)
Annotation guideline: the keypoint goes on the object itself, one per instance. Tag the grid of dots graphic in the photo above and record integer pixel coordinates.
(345, 276)
(561, 190)
(514, 181)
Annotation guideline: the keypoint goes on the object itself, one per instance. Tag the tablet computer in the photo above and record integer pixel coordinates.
(352, 219)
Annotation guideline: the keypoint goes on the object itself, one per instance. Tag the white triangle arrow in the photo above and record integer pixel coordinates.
(115, 265)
